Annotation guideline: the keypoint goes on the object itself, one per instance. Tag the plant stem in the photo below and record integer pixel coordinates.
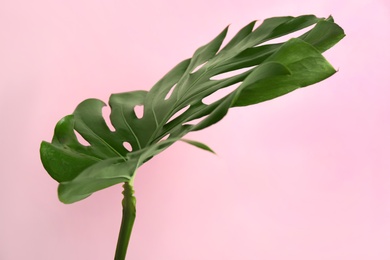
(128, 217)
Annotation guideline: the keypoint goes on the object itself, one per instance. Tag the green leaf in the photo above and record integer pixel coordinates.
(272, 70)
(198, 144)
(296, 64)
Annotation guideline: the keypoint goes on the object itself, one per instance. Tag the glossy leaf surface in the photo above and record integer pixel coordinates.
(272, 70)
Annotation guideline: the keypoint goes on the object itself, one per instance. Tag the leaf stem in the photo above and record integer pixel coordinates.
(128, 217)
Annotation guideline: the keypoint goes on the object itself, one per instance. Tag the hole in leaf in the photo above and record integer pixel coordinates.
(231, 73)
(139, 111)
(196, 121)
(170, 92)
(178, 113)
(198, 67)
(220, 94)
(106, 115)
(227, 39)
(81, 139)
(257, 24)
(164, 138)
(287, 37)
(128, 146)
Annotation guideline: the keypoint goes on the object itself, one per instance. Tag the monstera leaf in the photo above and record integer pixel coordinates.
(273, 70)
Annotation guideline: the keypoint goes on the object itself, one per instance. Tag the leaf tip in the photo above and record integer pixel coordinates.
(198, 145)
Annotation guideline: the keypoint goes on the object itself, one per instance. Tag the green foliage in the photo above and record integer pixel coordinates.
(274, 70)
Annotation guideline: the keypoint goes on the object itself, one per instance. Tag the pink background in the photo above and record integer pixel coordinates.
(305, 176)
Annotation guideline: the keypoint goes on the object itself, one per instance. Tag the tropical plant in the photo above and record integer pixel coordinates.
(175, 106)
